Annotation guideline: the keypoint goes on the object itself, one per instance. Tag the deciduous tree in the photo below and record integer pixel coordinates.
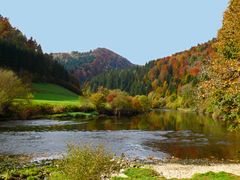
(11, 87)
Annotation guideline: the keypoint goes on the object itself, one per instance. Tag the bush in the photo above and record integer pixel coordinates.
(174, 101)
(141, 103)
(11, 87)
(217, 176)
(122, 104)
(88, 163)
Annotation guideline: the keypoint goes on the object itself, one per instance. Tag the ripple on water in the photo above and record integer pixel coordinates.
(52, 143)
(168, 133)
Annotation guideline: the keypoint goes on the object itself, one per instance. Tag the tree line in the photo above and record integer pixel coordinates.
(25, 57)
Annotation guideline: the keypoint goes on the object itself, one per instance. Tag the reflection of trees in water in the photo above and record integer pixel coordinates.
(162, 120)
(174, 120)
(196, 151)
(194, 136)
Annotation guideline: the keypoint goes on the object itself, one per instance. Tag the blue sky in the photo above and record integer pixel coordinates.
(140, 30)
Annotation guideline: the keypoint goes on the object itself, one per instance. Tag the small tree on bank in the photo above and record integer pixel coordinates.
(11, 87)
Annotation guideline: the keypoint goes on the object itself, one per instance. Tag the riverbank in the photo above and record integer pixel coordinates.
(53, 101)
(180, 171)
(21, 167)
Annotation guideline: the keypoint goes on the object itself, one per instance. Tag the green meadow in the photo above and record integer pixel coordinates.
(44, 93)
(52, 101)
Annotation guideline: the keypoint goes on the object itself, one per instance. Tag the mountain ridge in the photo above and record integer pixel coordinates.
(85, 65)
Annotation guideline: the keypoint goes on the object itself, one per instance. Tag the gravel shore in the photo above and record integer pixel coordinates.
(175, 170)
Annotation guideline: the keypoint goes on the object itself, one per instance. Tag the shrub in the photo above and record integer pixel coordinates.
(141, 103)
(122, 104)
(174, 101)
(11, 87)
(98, 99)
(88, 163)
(212, 175)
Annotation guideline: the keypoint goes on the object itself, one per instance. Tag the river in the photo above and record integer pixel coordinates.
(161, 134)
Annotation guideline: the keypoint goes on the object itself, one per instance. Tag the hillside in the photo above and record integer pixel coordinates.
(53, 94)
(163, 76)
(25, 57)
(86, 65)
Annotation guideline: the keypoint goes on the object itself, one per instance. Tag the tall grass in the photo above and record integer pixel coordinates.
(88, 163)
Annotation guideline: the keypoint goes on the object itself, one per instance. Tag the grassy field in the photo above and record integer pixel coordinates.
(52, 101)
(44, 93)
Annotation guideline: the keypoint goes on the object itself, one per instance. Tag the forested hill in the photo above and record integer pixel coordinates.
(25, 57)
(86, 65)
(165, 76)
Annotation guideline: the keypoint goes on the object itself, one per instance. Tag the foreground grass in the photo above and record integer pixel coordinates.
(139, 173)
(85, 163)
(215, 176)
(149, 174)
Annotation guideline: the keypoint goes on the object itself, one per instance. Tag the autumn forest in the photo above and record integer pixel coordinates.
(173, 107)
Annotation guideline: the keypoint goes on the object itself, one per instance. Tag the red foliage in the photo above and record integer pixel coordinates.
(111, 96)
(173, 69)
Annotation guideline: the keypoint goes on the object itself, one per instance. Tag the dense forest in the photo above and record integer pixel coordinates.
(205, 78)
(130, 80)
(84, 66)
(25, 57)
(95, 115)
(168, 74)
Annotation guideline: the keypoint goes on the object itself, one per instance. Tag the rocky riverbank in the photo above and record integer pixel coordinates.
(22, 167)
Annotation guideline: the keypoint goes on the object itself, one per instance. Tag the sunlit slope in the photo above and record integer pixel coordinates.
(54, 94)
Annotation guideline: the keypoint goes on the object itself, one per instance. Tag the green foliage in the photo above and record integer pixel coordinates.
(215, 176)
(227, 106)
(130, 80)
(174, 101)
(88, 163)
(29, 172)
(74, 60)
(183, 98)
(11, 87)
(49, 99)
(148, 174)
(141, 174)
(85, 163)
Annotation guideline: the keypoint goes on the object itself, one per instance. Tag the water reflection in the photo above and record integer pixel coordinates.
(159, 133)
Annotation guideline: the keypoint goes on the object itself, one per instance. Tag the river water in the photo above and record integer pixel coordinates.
(158, 134)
